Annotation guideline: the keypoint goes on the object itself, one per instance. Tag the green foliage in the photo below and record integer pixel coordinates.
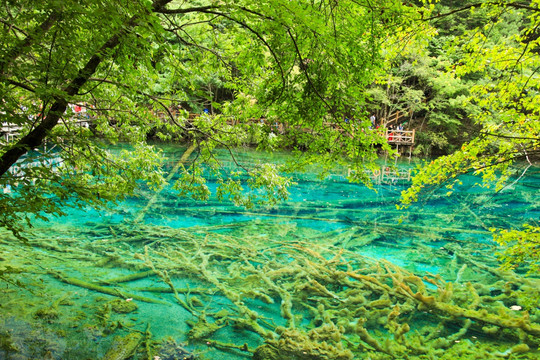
(520, 247)
(279, 73)
(141, 68)
(506, 102)
(419, 86)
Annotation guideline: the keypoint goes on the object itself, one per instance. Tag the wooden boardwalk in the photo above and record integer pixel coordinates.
(400, 137)
(10, 132)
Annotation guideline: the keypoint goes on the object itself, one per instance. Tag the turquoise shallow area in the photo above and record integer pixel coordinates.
(337, 264)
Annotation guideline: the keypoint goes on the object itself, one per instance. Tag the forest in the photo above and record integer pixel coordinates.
(218, 163)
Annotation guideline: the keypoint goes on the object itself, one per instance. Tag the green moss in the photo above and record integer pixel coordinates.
(123, 347)
(6, 342)
(123, 306)
(318, 344)
(202, 329)
(48, 313)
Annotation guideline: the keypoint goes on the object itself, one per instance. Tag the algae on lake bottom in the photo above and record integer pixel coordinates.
(334, 277)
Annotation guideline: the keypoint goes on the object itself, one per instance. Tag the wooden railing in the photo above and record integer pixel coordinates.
(10, 131)
(400, 137)
(393, 118)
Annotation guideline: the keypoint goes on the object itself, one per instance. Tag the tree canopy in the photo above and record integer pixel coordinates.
(464, 73)
(303, 64)
(500, 52)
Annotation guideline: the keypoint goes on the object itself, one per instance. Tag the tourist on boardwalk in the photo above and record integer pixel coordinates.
(399, 133)
(373, 119)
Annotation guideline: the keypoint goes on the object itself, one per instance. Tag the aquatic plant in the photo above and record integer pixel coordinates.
(319, 301)
(276, 287)
(24, 340)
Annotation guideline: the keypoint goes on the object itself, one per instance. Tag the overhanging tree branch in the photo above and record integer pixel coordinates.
(515, 5)
(36, 136)
(12, 26)
(510, 137)
(23, 45)
(155, 98)
(187, 10)
(20, 84)
(260, 37)
(304, 69)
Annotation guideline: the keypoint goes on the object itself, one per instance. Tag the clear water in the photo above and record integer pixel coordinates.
(326, 265)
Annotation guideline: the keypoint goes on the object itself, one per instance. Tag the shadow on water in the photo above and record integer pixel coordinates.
(336, 272)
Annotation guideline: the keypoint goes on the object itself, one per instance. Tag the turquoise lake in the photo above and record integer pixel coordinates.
(335, 272)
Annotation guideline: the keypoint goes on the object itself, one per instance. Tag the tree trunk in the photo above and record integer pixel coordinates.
(35, 137)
